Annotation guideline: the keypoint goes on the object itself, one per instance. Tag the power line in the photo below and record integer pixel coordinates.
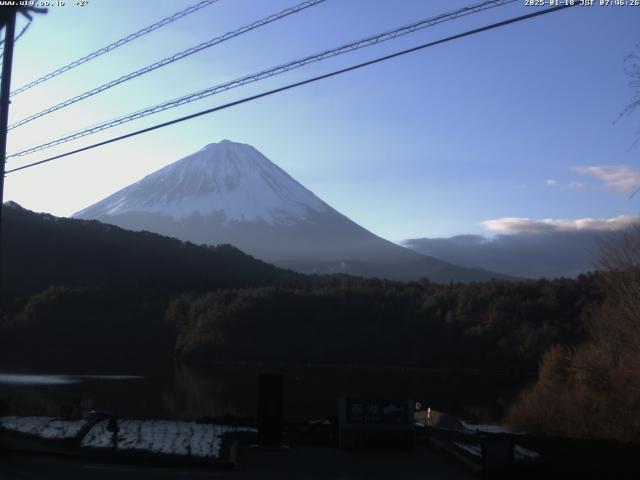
(22, 32)
(116, 44)
(168, 60)
(297, 84)
(349, 47)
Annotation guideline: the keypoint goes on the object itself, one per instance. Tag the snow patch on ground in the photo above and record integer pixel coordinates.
(487, 428)
(162, 436)
(520, 453)
(472, 448)
(44, 427)
(155, 436)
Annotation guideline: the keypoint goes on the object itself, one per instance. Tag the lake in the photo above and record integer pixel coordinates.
(183, 392)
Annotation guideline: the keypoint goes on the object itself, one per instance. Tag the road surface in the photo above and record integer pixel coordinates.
(253, 463)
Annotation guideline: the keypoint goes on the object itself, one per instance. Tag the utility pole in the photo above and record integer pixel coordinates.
(5, 93)
(8, 21)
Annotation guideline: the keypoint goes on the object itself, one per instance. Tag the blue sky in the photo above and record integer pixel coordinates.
(515, 122)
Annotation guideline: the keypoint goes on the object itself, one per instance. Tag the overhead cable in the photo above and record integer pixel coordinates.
(114, 45)
(168, 60)
(294, 85)
(349, 47)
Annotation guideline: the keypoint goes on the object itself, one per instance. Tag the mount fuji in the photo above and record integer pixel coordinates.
(229, 192)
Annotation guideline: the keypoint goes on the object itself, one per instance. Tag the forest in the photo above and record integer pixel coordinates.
(571, 345)
(40, 250)
(489, 328)
(374, 322)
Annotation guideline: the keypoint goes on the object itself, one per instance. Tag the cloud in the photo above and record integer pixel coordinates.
(529, 248)
(551, 183)
(622, 178)
(576, 184)
(527, 225)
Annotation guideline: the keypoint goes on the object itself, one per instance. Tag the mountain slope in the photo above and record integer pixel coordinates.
(229, 192)
(231, 178)
(39, 250)
(551, 254)
(430, 267)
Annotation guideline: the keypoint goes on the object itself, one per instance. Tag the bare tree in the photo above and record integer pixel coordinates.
(594, 390)
(632, 68)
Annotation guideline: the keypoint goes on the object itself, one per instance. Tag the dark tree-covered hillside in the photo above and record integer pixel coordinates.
(490, 326)
(487, 327)
(40, 250)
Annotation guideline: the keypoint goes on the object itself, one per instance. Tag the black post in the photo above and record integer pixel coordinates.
(270, 408)
(5, 93)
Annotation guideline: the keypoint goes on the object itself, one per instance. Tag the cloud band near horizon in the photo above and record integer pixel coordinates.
(529, 248)
(622, 178)
(517, 225)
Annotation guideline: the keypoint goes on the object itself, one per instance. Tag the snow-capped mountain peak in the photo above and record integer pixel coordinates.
(229, 192)
(228, 178)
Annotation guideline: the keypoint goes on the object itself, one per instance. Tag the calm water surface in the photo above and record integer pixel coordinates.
(182, 392)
